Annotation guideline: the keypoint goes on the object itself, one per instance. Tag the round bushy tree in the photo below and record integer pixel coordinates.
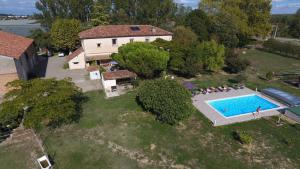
(167, 99)
(144, 59)
(64, 34)
(213, 55)
(39, 102)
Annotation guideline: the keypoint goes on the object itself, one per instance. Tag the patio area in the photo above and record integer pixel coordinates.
(199, 101)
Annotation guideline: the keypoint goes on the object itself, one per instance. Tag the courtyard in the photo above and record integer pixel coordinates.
(54, 69)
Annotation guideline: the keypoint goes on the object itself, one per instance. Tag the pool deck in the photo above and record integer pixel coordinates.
(199, 101)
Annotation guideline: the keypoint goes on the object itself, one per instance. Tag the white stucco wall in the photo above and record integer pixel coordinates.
(81, 62)
(107, 84)
(95, 75)
(107, 48)
(7, 65)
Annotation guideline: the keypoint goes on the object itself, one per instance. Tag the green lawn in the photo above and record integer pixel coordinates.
(264, 62)
(116, 133)
(261, 63)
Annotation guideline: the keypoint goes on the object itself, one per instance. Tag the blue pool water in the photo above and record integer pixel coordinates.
(241, 105)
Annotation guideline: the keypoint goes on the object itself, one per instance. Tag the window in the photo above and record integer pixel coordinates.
(75, 63)
(131, 40)
(98, 45)
(147, 40)
(114, 41)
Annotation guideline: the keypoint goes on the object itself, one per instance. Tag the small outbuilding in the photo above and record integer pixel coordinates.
(76, 60)
(94, 72)
(112, 81)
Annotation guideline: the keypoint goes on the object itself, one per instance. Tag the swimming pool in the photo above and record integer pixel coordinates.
(241, 105)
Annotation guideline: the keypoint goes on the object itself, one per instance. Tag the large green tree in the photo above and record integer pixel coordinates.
(184, 36)
(64, 34)
(199, 22)
(155, 12)
(213, 55)
(167, 99)
(40, 102)
(41, 38)
(144, 59)
(250, 17)
(184, 59)
(99, 15)
(50, 10)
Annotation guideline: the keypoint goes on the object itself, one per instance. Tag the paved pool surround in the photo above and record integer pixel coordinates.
(200, 102)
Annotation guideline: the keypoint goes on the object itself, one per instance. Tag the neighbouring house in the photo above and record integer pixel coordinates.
(99, 43)
(115, 82)
(17, 58)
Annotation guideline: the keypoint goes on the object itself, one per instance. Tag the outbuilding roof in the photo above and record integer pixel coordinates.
(120, 74)
(109, 31)
(12, 45)
(74, 54)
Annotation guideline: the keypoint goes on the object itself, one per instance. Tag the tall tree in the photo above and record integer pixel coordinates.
(250, 17)
(184, 36)
(50, 10)
(99, 15)
(199, 22)
(154, 12)
(213, 55)
(64, 34)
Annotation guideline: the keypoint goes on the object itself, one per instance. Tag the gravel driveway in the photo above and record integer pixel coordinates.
(79, 77)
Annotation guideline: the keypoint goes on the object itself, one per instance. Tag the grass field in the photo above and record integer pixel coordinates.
(261, 63)
(116, 133)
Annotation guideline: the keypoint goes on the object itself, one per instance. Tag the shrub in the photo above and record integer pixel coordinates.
(242, 137)
(270, 75)
(241, 78)
(235, 64)
(167, 99)
(144, 59)
(66, 66)
(102, 69)
(283, 48)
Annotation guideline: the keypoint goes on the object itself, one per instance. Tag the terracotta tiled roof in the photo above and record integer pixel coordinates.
(12, 45)
(120, 74)
(122, 31)
(92, 68)
(74, 54)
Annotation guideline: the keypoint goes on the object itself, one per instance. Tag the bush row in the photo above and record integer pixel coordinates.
(282, 48)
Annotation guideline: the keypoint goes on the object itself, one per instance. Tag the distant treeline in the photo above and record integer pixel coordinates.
(288, 24)
(282, 48)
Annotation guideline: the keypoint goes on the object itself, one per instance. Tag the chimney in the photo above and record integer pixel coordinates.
(153, 29)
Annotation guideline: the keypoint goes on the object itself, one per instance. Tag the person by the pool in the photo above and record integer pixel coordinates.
(258, 110)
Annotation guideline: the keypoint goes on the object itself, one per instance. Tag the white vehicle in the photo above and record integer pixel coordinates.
(61, 54)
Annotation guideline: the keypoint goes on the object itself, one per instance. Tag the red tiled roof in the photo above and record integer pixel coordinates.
(120, 74)
(122, 31)
(12, 45)
(74, 54)
(92, 68)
